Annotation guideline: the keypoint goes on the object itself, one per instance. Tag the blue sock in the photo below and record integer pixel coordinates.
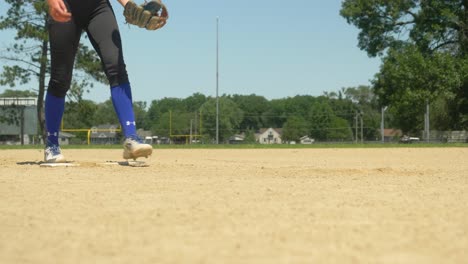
(122, 99)
(54, 107)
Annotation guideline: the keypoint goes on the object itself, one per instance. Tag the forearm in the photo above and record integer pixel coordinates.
(123, 2)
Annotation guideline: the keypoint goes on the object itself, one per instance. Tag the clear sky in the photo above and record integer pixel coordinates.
(271, 48)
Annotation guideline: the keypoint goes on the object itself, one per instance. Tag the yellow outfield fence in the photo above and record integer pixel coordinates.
(89, 131)
(189, 137)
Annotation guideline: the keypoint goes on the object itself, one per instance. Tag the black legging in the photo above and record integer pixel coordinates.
(97, 18)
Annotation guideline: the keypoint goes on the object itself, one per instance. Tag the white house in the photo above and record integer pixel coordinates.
(104, 134)
(269, 136)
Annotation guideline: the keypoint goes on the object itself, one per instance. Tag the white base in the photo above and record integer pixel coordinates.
(64, 164)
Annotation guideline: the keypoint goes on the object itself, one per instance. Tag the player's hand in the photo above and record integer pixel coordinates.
(123, 2)
(58, 11)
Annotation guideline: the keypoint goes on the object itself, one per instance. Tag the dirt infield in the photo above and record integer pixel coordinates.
(399, 205)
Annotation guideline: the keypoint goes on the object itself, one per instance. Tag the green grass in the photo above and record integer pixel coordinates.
(260, 146)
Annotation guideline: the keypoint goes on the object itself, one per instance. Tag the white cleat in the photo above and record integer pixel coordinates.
(134, 148)
(53, 154)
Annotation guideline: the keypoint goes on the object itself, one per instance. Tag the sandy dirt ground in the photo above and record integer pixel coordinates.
(399, 205)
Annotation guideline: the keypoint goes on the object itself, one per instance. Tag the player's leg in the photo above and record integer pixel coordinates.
(104, 34)
(64, 39)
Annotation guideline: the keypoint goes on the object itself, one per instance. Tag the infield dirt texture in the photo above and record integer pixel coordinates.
(395, 205)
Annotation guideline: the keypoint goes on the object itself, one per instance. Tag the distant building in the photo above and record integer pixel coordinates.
(64, 138)
(18, 120)
(269, 136)
(237, 139)
(392, 135)
(144, 133)
(104, 135)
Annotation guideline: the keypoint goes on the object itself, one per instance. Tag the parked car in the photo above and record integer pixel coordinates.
(407, 139)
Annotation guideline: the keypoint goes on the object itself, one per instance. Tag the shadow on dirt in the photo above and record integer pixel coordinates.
(23, 163)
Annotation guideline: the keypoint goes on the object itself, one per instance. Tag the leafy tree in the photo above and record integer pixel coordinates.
(30, 50)
(159, 107)
(177, 123)
(253, 107)
(332, 95)
(139, 109)
(105, 114)
(250, 137)
(295, 128)
(18, 93)
(153, 114)
(339, 130)
(408, 79)
(79, 115)
(344, 107)
(361, 95)
(194, 102)
(230, 117)
(299, 105)
(161, 126)
(320, 117)
(183, 110)
(275, 115)
(171, 104)
(86, 114)
(429, 32)
(433, 25)
(364, 102)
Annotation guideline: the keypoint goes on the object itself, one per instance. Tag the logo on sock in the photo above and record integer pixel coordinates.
(55, 134)
(131, 123)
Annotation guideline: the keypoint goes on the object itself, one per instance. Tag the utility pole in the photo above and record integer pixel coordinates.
(196, 123)
(217, 80)
(382, 124)
(426, 122)
(22, 107)
(191, 123)
(356, 126)
(362, 128)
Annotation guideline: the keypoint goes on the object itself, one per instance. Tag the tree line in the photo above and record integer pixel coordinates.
(329, 117)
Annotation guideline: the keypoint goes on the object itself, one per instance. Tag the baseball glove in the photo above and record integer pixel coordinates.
(151, 15)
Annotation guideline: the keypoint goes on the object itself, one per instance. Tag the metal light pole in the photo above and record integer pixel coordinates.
(382, 124)
(356, 127)
(362, 127)
(191, 123)
(217, 80)
(427, 127)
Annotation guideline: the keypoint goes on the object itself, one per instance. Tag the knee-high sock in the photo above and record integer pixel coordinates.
(122, 100)
(54, 108)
